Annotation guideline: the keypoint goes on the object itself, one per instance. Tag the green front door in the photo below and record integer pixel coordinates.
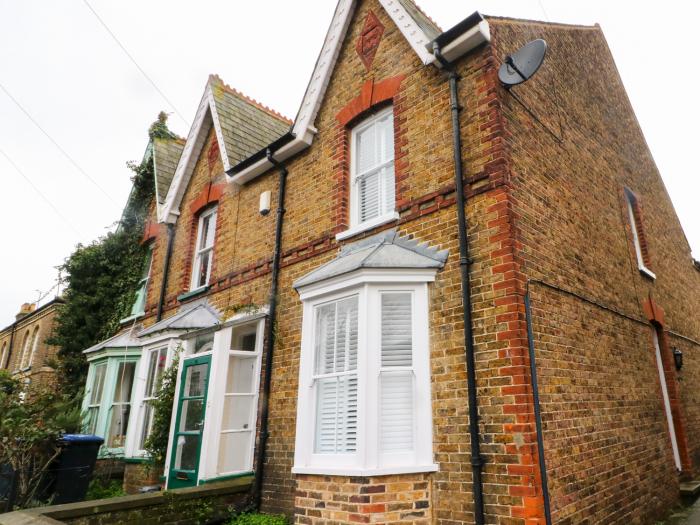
(191, 405)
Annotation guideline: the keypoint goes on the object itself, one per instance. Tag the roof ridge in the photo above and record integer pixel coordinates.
(517, 20)
(217, 79)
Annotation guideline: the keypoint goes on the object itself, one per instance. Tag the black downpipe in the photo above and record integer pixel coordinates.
(270, 332)
(538, 414)
(464, 266)
(166, 270)
(9, 350)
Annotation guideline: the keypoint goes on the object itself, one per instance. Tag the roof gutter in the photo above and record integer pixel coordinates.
(284, 147)
(460, 39)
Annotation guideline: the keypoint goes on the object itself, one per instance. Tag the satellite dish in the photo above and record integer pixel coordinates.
(523, 64)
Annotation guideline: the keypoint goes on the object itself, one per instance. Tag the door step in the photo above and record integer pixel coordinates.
(690, 489)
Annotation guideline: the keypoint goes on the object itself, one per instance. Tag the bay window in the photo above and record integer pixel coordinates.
(364, 386)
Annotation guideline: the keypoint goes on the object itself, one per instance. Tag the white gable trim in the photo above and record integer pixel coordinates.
(409, 29)
(206, 114)
(304, 128)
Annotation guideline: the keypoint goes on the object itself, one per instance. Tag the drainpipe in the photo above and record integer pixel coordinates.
(9, 350)
(464, 266)
(270, 331)
(166, 270)
(538, 414)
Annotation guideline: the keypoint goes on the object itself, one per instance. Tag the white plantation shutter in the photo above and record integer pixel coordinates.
(396, 409)
(336, 377)
(374, 166)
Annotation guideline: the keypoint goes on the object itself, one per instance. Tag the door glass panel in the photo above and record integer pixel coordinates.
(195, 379)
(186, 452)
(238, 412)
(234, 452)
(241, 375)
(191, 416)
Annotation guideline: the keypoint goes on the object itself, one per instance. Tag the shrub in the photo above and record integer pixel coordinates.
(101, 489)
(259, 519)
(31, 423)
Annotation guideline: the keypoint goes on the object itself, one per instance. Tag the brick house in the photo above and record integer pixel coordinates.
(322, 349)
(23, 350)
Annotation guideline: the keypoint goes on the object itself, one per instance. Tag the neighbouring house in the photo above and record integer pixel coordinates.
(316, 277)
(23, 349)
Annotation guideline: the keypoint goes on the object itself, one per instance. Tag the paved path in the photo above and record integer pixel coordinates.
(687, 516)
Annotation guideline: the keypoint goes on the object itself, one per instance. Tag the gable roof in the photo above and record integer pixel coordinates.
(242, 126)
(189, 318)
(166, 154)
(418, 30)
(384, 250)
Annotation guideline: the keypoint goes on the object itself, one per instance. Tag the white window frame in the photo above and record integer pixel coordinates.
(199, 252)
(368, 459)
(635, 235)
(356, 225)
(151, 378)
(170, 343)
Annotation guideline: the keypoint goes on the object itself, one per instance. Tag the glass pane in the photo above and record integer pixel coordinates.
(234, 452)
(203, 343)
(125, 379)
(238, 412)
(397, 334)
(186, 452)
(244, 338)
(91, 420)
(203, 268)
(370, 202)
(192, 415)
(204, 239)
(147, 264)
(195, 380)
(367, 152)
(336, 336)
(388, 189)
(156, 364)
(147, 424)
(387, 147)
(396, 412)
(119, 421)
(336, 415)
(140, 300)
(241, 375)
(98, 384)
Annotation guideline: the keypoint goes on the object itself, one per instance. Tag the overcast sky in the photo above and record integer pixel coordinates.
(64, 68)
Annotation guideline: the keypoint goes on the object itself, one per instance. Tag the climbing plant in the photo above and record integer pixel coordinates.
(157, 442)
(102, 277)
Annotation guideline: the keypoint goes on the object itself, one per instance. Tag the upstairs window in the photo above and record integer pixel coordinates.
(204, 249)
(3, 355)
(641, 247)
(29, 348)
(372, 192)
(139, 305)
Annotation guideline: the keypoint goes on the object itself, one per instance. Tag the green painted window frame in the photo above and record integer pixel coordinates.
(112, 358)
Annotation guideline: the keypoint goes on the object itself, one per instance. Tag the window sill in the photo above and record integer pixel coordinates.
(646, 272)
(367, 225)
(383, 471)
(193, 293)
(132, 318)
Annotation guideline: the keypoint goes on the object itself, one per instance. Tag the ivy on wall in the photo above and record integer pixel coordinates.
(102, 277)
